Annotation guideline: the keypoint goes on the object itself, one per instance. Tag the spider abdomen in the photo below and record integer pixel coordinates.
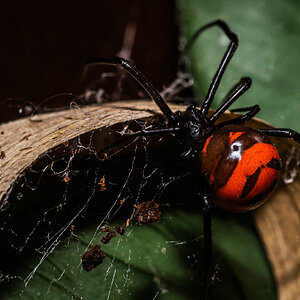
(242, 167)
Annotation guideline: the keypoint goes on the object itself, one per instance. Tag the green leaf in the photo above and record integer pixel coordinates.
(162, 260)
(268, 53)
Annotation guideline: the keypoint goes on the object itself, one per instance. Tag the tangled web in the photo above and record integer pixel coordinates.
(76, 194)
(55, 201)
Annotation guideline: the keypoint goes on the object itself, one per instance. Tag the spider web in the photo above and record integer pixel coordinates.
(61, 205)
(61, 191)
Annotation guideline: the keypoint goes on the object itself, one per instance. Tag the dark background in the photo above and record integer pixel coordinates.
(44, 45)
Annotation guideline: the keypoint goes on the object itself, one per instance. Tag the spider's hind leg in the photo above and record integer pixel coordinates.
(207, 237)
(282, 132)
(251, 112)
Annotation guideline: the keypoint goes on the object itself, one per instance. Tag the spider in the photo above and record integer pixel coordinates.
(237, 166)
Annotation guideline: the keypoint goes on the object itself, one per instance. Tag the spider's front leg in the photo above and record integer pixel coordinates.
(141, 79)
(224, 62)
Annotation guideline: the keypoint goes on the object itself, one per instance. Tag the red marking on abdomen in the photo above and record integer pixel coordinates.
(253, 158)
(234, 135)
(206, 144)
(212, 173)
(265, 182)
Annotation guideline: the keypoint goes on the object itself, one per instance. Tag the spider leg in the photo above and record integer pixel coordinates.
(232, 90)
(224, 62)
(242, 109)
(282, 132)
(252, 111)
(206, 208)
(141, 79)
(241, 88)
(140, 133)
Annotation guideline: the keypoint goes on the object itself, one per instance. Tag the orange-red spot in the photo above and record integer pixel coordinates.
(253, 158)
(234, 135)
(102, 184)
(67, 179)
(206, 144)
(212, 173)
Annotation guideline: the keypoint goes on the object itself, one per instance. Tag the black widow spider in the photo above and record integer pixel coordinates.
(237, 166)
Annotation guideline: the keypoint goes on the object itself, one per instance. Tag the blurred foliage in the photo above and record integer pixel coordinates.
(268, 32)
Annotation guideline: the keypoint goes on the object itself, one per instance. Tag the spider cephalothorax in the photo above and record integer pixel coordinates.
(196, 127)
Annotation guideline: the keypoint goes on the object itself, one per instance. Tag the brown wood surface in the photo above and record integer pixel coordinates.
(278, 222)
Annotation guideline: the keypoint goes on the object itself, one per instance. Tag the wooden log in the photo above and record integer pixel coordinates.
(24, 140)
